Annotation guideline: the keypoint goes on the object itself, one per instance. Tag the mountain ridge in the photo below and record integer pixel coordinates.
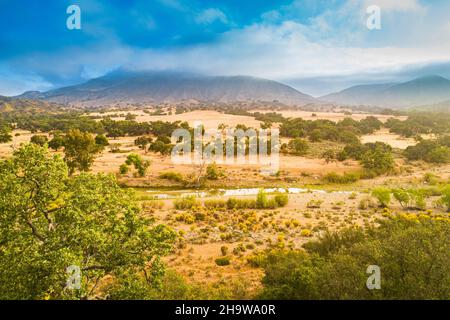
(157, 87)
(425, 90)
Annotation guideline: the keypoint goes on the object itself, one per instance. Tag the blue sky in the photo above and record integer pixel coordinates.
(316, 46)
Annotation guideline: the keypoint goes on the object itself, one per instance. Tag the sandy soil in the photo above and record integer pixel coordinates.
(210, 119)
(333, 116)
(394, 140)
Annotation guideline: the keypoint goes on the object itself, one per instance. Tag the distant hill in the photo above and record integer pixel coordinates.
(156, 87)
(418, 92)
(8, 104)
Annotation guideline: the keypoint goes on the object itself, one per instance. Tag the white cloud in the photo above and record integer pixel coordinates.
(211, 15)
(396, 5)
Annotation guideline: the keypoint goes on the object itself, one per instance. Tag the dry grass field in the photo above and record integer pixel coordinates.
(207, 234)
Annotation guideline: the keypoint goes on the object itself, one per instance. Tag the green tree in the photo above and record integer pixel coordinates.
(5, 133)
(50, 221)
(56, 142)
(38, 139)
(80, 150)
(139, 164)
(101, 141)
(142, 142)
(298, 146)
(378, 160)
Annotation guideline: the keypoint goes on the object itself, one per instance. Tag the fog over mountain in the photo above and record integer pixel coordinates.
(421, 91)
(156, 87)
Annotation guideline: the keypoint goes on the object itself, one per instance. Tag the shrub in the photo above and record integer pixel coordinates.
(185, 203)
(223, 261)
(139, 164)
(402, 196)
(333, 177)
(430, 179)
(445, 198)
(413, 253)
(233, 203)
(306, 233)
(101, 140)
(298, 146)
(314, 203)
(123, 169)
(213, 172)
(185, 217)
(378, 160)
(215, 204)
(154, 204)
(224, 250)
(172, 176)
(281, 200)
(365, 203)
(383, 196)
(40, 140)
(261, 199)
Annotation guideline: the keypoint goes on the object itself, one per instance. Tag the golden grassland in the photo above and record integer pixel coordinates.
(204, 233)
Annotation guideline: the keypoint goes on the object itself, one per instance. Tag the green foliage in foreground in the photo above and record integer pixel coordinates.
(413, 256)
(50, 221)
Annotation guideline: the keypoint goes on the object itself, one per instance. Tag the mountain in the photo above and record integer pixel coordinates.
(155, 87)
(420, 91)
(8, 104)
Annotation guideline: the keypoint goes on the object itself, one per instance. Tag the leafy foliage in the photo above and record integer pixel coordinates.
(413, 257)
(80, 150)
(50, 221)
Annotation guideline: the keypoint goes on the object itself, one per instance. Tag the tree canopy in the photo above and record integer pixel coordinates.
(50, 221)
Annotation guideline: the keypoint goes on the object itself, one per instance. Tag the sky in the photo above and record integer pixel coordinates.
(316, 46)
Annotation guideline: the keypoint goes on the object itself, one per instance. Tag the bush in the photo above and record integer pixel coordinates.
(154, 204)
(215, 204)
(233, 203)
(185, 203)
(383, 196)
(172, 176)
(413, 255)
(40, 140)
(101, 140)
(281, 200)
(261, 199)
(213, 172)
(223, 261)
(298, 146)
(333, 177)
(123, 169)
(139, 164)
(224, 250)
(445, 198)
(402, 196)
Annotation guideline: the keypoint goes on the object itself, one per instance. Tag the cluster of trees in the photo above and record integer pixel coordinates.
(80, 148)
(434, 151)
(375, 157)
(412, 255)
(346, 131)
(420, 123)
(54, 226)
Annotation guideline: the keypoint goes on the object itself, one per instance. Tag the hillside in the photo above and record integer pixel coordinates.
(420, 91)
(156, 87)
